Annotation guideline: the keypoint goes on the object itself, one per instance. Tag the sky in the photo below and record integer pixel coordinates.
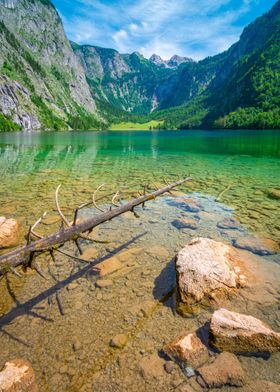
(191, 28)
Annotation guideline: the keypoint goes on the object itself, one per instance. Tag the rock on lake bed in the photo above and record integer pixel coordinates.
(206, 270)
(240, 333)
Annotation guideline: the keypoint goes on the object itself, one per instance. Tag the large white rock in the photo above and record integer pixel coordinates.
(238, 333)
(206, 270)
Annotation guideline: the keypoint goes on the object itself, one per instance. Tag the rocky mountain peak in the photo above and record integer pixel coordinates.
(176, 60)
(137, 54)
(157, 60)
(173, 62)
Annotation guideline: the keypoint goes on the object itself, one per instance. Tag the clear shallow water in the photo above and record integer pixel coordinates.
(33, 164)
(71, 352)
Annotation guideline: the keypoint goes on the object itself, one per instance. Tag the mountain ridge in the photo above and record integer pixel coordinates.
(48, 82)
(42, 84)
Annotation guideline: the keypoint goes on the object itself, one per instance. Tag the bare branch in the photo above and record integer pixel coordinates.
(75, 217)
(36, 267)
(28, 240)
(23, 254)
(114, 198)
(80, 250)
(93, 198)
(64, 219)
(15, 272)
(221, 194)
(32, 229)
(85, 237)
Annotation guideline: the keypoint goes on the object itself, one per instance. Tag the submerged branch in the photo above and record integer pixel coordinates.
(221, 194)
(51, 243)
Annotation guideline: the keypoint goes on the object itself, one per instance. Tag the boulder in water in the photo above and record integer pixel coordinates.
(185, 223)
(191, 205)
(274, 193)
(152, 367)
(207, 270)
(239, 333)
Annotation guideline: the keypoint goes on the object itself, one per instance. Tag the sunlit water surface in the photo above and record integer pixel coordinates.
(64, 325)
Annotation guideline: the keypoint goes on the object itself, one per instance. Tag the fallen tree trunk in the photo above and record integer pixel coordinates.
(25, 254)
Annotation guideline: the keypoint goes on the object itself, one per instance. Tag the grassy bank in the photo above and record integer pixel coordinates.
(130, 126)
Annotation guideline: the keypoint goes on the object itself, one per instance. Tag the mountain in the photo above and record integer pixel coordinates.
(42, 84)
(173, 62)
(239, 88)
(135, 84)
(126, 81)
(47, 82)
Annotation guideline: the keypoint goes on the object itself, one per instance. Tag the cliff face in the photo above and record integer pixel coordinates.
(42, 83)
(140, 86)
(129, 81)
(126, 81)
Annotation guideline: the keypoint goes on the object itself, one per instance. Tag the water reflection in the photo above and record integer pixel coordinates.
(27, 152)
(255, 143)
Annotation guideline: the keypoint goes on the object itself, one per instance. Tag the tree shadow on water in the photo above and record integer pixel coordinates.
(27, 308)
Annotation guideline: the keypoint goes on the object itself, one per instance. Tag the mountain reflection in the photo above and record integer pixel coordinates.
(27, 152)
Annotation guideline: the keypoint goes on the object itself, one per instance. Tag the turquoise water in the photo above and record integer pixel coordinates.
(248, 162)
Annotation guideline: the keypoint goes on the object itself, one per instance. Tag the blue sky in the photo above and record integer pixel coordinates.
(192, 28)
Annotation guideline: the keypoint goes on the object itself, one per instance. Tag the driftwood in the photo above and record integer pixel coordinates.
(221, 194)
(71, 231)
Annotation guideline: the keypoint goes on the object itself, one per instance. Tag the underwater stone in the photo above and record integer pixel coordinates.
(239, 333)
(229, 223)
(9, 232)
(152, 367)
(119, 341)
(259, 246)
(225, 370)
(18, 376)
(187, 348)
(169, 367)
(186, 223)
(191, 205)
(189, 372)
(274, 193)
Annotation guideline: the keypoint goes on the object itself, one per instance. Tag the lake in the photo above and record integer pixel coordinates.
(64, 325)
(32, 165)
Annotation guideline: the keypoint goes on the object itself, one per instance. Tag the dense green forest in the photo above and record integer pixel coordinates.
(7, 124)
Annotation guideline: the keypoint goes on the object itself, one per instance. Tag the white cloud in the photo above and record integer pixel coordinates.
(120, 39)
(133, 27)
(186, 27)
